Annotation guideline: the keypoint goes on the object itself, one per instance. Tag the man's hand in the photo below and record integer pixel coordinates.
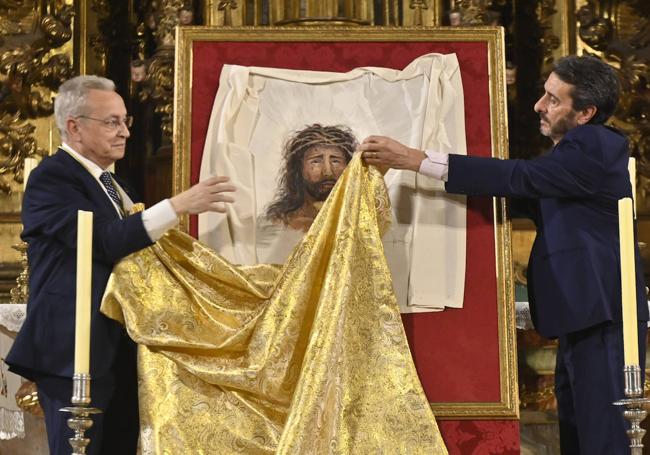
(206, 196)
(383, 151)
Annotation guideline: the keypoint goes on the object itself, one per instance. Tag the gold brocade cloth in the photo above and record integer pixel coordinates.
(306, 358)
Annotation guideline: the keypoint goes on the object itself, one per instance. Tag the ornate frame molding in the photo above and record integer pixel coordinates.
(507, 407)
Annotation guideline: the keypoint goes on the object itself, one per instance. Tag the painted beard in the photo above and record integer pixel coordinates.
(321, 189)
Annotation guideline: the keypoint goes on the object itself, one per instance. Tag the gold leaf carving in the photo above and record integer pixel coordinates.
(16, 143)
(618, 32)
(32, 71)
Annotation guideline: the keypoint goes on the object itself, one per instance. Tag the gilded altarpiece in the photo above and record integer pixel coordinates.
(42, 44)
(133, 42)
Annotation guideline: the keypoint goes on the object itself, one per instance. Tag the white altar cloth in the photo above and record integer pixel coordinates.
(12, 422)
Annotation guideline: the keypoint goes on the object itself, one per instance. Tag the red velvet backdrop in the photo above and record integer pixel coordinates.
(455, 351)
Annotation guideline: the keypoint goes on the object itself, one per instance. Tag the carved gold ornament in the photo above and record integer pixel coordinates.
(32, 70)
(27, 399)
(16, 144)
(618, 32)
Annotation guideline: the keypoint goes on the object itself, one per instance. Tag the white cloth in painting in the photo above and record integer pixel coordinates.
(256, 109)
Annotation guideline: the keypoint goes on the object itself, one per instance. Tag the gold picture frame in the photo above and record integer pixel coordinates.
(490, 42)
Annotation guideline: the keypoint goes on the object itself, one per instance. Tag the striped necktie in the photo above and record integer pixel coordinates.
(107, 181)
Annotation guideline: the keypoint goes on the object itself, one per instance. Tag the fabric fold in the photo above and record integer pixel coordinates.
(305, 358)
(256, 109)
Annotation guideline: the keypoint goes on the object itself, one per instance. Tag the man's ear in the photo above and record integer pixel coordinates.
(586, 114)
(72, 129)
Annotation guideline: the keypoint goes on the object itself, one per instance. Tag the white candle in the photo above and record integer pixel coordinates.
(628, 281)
(631, 168)
(28, 167)
(84, 274)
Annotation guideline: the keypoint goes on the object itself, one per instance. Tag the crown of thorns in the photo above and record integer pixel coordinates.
(317, 135)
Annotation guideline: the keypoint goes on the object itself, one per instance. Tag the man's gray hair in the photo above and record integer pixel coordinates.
(71, 99)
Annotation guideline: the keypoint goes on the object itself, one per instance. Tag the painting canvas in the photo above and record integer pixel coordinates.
(466, 357)
(265, 120)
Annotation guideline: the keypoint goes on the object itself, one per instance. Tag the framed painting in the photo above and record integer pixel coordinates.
(465, 357)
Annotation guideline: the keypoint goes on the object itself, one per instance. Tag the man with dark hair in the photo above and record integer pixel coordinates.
(314, 159)
(574, 281)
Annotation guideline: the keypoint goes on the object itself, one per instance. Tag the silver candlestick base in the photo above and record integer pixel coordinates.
(634, 407)
(81, 419)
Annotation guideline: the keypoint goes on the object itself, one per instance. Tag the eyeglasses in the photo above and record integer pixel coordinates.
(113, 123)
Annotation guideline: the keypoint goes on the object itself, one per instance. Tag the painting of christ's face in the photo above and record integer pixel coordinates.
(314, 159)
(322, 165)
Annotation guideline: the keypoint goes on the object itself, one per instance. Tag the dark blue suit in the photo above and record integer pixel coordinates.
(574, 277)
(44, 348)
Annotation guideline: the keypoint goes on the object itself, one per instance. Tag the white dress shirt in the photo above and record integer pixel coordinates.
(435, 165)
(156, 219)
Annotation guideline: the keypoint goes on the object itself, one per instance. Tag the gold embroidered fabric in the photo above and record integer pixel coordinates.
(305, 358)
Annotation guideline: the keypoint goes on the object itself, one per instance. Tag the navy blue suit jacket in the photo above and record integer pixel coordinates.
(56, 189)
(571, 193)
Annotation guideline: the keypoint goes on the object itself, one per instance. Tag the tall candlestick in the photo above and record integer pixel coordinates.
(84, 273)
(628, 281)
(28, 166)
(631, 168)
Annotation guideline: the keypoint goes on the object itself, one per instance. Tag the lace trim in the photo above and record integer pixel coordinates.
(523, 319)
(12, 424)
(12, 315)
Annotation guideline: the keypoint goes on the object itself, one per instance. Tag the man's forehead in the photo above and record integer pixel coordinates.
(106, 101)
(557, 87)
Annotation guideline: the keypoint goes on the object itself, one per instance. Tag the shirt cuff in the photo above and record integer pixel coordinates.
(435, 165)
(158, 219)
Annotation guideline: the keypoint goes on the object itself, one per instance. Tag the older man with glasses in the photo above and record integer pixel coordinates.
(94, 128)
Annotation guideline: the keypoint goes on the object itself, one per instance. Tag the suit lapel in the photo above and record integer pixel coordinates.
(95, 192)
